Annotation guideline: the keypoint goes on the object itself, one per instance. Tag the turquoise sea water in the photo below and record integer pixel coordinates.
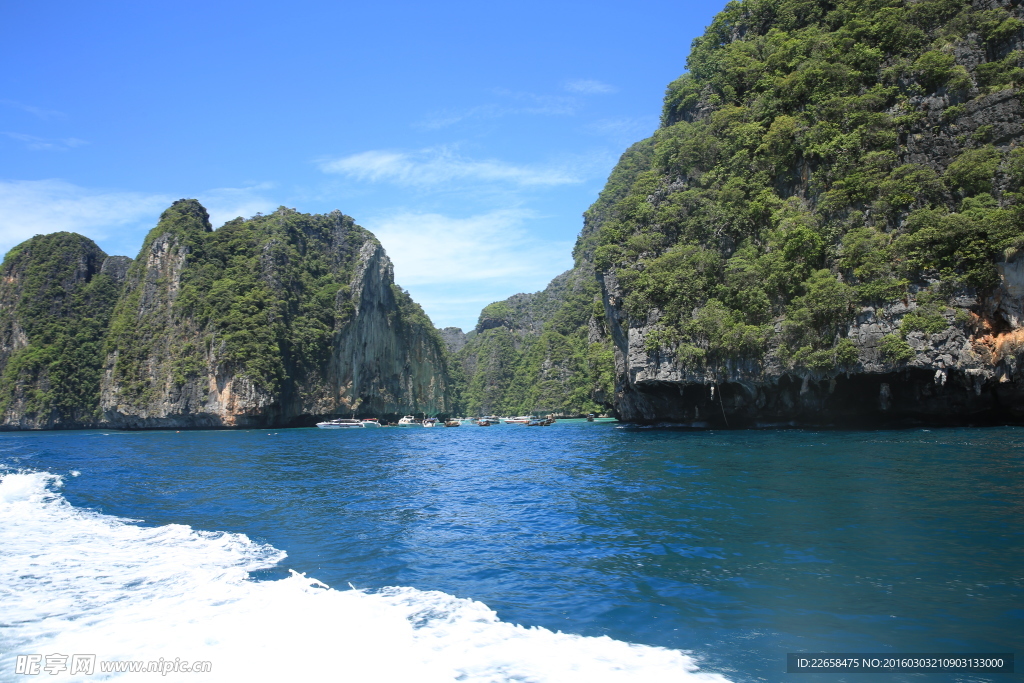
(735, 547)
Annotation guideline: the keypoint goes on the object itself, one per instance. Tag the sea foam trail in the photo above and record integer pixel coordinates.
(74, 581)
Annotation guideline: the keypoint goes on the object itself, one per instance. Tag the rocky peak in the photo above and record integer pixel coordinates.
(187, 214)
(454, 338)
(116, 267)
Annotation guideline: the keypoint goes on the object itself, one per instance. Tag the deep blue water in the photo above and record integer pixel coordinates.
(737, 546)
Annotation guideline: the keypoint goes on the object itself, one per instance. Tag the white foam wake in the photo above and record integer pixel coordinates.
(73, 581)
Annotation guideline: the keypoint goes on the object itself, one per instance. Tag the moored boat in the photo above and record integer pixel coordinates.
(521, 420)
(453, 423)
(371, 422)
(430, 422)
(341, 423)
(407, 421)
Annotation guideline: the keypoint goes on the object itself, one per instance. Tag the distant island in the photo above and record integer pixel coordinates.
(826, 230)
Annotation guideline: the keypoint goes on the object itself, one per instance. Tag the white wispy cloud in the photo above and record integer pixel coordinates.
(52, 144)
(586, 86)
(441, 165)
(431, 248)
(38, 112)
(511, 103)
(35, 207)
(534, 103)
(450, 117)
(453, 267)
(118, 220)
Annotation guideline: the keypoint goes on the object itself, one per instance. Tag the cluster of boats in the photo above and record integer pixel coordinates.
(410, 421)
(407, 421)
(528, 420)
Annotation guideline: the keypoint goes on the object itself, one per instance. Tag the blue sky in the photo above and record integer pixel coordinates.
(469, 137)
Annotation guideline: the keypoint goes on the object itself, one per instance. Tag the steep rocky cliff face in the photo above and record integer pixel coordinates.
(387, 358)
(540, 352)
(278, 320)
(57, 293)
(827, 227)
(966, 373)
(275, 321)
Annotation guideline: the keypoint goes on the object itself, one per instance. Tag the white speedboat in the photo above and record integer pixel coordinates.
(430, 422)
(407, 421)
(521, 420)
(370, 422)
(341, 423)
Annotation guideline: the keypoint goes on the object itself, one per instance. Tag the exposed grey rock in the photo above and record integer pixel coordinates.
(116, 267)
(1006, 302)
(963, 374)
(454, 338)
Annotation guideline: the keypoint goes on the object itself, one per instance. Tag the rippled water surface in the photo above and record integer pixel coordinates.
(735, 546)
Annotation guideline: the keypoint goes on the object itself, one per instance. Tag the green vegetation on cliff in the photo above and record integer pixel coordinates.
(261, 298)
(816, 157)
(260, 293)
(55, 306)
(549, 351)
(275, 320)
(537, 352)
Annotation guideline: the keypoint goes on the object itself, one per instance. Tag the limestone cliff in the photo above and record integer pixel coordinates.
(826, 229)
(279, 320)
(970, 372)
(57, 293)
(540, 352)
